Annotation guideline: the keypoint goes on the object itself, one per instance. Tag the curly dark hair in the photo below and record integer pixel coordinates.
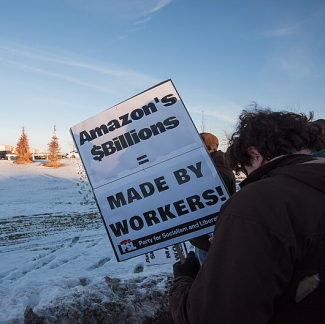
(272, 134)
(321, 123)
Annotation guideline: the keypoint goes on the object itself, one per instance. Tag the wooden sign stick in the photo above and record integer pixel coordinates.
(179, 252)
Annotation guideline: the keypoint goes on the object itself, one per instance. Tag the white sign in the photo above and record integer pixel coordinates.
(165, 255)
(153, 179)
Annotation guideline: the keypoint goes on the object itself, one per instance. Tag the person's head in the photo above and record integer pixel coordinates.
(320, 123)
(211, 141)
(263, 134)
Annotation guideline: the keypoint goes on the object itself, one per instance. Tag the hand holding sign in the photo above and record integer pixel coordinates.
(190, 267)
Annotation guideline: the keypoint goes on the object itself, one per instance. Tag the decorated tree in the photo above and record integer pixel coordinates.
(54, 151)
(22, 150)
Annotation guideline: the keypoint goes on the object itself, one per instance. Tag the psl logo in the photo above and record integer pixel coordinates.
(127, 246)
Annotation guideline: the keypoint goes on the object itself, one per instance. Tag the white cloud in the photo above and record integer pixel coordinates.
(292, 66)
(32, 60)
(57, 58)
(224, 111)
(294, 62)
(297, 49)
(159, 5)
(143, 21)
(121, 11)
(43, 72)
(297, 27)
(281, 32)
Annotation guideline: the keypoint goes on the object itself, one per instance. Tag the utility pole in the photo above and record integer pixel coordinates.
(203, 124)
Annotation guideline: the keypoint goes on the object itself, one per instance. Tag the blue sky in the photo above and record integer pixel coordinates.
(64, 61)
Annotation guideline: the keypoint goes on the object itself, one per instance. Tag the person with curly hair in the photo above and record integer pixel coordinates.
(320, 123)
(266, 263)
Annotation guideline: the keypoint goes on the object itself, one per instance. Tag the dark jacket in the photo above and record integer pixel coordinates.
(226, 174)
(229, 180)
(269, 236)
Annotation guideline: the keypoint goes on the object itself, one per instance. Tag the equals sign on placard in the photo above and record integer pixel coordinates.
(142, 159)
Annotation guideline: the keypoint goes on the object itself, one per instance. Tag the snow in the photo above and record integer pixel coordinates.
(54, 249)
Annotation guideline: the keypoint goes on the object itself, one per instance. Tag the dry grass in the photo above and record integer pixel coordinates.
(54, 164)
(23, 161)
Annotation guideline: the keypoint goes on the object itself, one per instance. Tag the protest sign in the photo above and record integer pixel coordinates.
(166, 255)
(153, 179)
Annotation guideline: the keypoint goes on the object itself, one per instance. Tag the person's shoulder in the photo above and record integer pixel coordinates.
(259, 194)
(218, 158)
(259, 204)
(218, 153)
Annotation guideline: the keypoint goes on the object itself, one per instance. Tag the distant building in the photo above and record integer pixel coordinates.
(36, 151)
(4, 147)
(7, 152)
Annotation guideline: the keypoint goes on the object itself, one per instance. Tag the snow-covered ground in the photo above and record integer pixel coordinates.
(55, 255)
